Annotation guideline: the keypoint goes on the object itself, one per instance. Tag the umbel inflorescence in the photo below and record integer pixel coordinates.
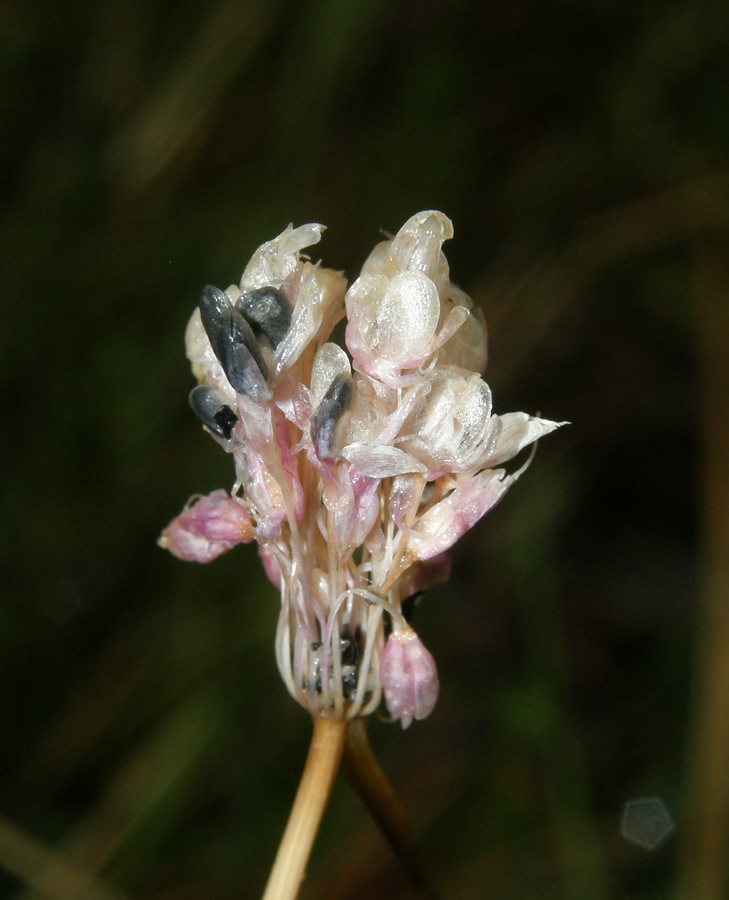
(354, 473)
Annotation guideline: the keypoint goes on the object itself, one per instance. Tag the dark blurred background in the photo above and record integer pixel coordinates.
(580, 149)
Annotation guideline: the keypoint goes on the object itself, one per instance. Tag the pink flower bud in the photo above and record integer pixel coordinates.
(409, 677)
(208, 527)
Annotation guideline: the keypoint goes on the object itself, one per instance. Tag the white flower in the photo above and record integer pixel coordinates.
(354, 476)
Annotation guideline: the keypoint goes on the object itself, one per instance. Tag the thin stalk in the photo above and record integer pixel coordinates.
(322, 764)
(371, 784)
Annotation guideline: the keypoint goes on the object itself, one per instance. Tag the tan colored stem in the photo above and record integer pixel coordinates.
(371, 784)
(322, 764)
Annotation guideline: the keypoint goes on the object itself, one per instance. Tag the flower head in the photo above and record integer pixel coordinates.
(354, 473)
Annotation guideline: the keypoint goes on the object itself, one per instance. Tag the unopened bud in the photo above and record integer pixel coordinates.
(409, 677)
(208, 527)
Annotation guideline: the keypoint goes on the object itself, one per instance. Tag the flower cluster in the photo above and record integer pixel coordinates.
(354, 473)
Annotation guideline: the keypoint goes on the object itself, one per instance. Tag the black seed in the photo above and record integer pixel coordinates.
(210, 407)
(268, 312)
(331, 409)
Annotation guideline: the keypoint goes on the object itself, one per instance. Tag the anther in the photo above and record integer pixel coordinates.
(267, 311)
(235, 345)
(210, 407)
(331, 409)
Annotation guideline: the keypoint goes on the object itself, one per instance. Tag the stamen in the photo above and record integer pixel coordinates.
(268, 312)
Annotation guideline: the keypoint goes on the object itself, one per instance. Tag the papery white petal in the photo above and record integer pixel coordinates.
(405, 494)
(452, 428)
(318, 295)
(329, 362)
(368, 411)
(407, 401)
(381, 261)
(305, 321)
(381, 461)
(467, 347)
(518, 430)
(417, 246)
(275, 260)
(392, 322)
(407, 318)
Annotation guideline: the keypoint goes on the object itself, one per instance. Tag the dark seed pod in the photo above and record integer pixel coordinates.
(348, 648)
(267, 311)
(331, 409)
(210, 407)
(235, 345)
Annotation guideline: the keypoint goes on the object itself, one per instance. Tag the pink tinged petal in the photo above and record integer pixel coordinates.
(440, 527)
(208, 527)
(380, 461)
(405, 494)
(366, 503)
(380, 261)
(409, 677)
(271, 566)
(289, 463)
(260, 487)
(269, 528)
(518, 430)
(294, 401)
(257, 459)
(188, 546)
(354, 503)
